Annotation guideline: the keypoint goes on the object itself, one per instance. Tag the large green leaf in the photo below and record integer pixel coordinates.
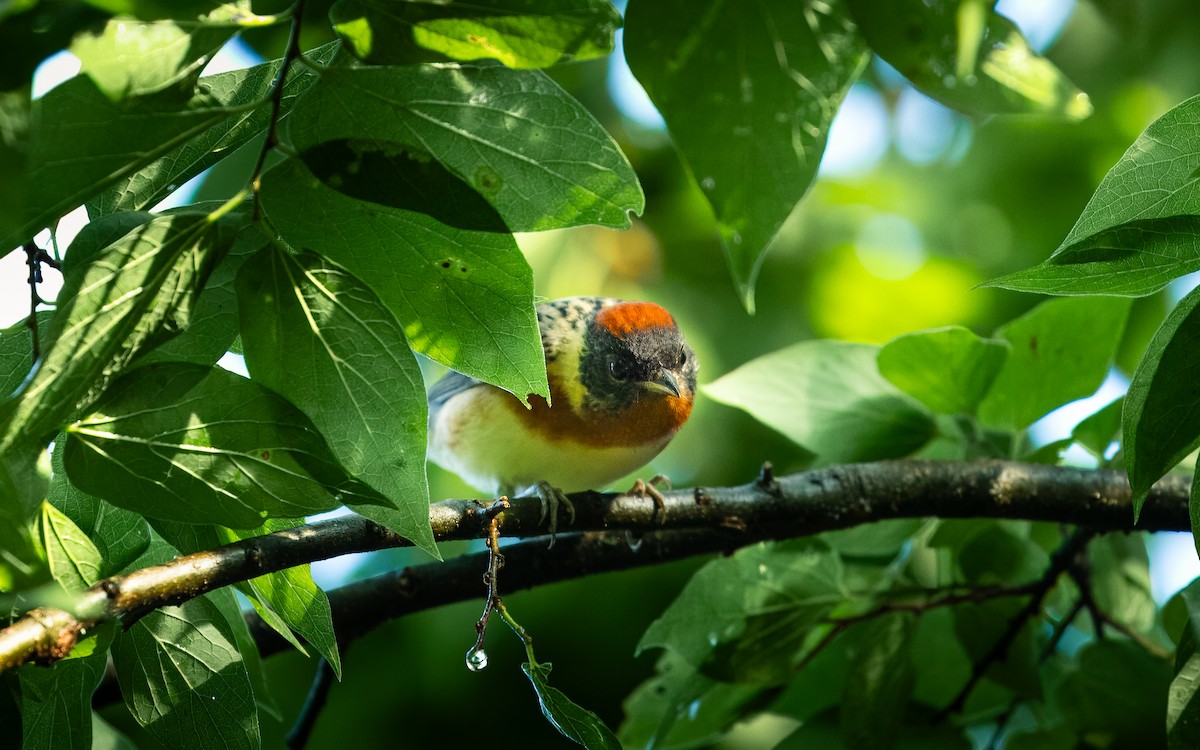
(194, 444)
(463, 295)
(948, 369)
(518, 33)
(319, 336)
(56, 702)
(1061, 351)
(1161, 419)
(720, 615)
(183, 678)
(968, 57)
(749, 92)
(127, 58)
(1183, 698)
(1139, 229)
(81, 142)
(239, 90)
(572, 720)
(138, 289)
(527, 146)
(828, 397)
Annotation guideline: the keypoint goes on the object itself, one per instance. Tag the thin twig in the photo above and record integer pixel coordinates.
(290, 54)
(1062, 559)
(476, 656)
(33, 260)
(318, 694)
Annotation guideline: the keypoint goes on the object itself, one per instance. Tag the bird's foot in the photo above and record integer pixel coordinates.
(650, 489)
(553, 499)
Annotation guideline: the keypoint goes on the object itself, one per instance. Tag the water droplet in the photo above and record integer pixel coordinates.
(693, 709)
(762, 569)
(736, 238)
(476, 659)
(713, 640)
(708, 183)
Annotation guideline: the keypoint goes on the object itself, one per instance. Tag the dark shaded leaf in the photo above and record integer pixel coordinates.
(573, 721)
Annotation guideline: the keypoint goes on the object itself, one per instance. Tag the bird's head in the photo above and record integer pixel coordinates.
(634, 351)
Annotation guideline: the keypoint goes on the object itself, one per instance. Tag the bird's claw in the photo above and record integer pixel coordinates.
(650, 489)
(552, 498)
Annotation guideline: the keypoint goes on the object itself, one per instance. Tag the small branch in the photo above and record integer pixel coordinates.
(34, 258)
(476, 656)
(290, 54)
(1064, 557)
(697, 521)
(318, 694)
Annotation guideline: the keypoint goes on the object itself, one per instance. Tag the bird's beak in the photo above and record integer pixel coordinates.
(666, 383)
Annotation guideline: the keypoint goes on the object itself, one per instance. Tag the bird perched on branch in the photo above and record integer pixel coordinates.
(622, 381)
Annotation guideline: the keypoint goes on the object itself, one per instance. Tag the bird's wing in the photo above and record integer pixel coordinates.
(452, 384)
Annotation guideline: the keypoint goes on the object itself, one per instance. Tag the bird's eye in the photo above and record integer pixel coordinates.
(618, 369)
(683, 356)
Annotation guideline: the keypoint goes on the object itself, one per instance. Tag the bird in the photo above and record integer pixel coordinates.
(622, 381)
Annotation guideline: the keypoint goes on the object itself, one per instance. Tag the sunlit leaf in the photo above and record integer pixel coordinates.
(518, 33)
(828, 397)
(523, 143)
(1004, 74)
(748, 92)
(1061, 350)
(463, 295)
(948, 369)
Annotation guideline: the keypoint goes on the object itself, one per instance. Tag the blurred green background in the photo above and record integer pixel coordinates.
(915, 206)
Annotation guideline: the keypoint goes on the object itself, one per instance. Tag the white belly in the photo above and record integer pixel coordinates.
(492, 450)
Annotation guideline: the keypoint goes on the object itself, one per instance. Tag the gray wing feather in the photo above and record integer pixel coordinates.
(452, 384)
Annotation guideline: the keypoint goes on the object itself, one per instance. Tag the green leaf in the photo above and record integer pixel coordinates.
(316, 334)
(1161, 419)
(464, 297)
(998, 74)
(213, 326)
(74, 560)
(1098, 431)
(239, 90)
(1183, 697)
(81, 142)
(119, 535)
(56, 701)
(293, 597)
(573, 721)
(16, 352)
(1121, 580)
(828, 397)
(948, 369)
(128, 59)
(179, 669)
(1129, 713)
(879, 680)
(748, 92)
(106, 737)
(527, 146)
(1129, 260)
(518, 33)
(141, 287)
(203, 445)
(1061, 351)
(793, 585)
(24, 478)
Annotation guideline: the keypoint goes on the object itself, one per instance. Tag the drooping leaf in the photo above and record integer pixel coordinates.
(749, 92)
(237, 90)
(948, 369)
(194, 444)
(992, 71)
(828, 397)
(1161, 420)
(518, 33)
(573, 721)
(179, 670)
(138, 289)
(304, 321)
(786, 587)
(1121, 580)
(1061, 350)
(535, 153)
(463, 295)
(56, 701)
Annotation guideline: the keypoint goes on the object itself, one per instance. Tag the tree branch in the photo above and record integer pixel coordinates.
(696, 521)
